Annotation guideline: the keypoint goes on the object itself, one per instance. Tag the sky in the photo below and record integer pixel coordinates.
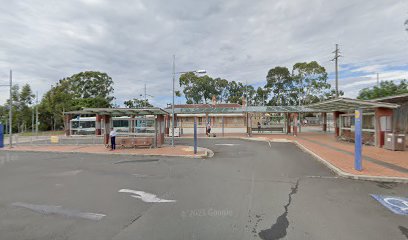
(133, 41)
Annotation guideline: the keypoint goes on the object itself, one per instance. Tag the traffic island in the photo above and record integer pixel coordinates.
(165, 150)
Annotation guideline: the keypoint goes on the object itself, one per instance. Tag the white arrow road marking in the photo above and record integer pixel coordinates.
(50, 209)
(226, 144)
(144, 196)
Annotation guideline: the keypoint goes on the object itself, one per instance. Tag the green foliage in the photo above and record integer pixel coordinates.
(307, 83)
(386, 88)
(137, 103)
(22, 108)
(235, 92)
(280, 82)
(86, 89)
(201, 89)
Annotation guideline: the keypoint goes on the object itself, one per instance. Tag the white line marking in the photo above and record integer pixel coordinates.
(50, 209)
(328, 177)
(139, 175)
(144, 196)
(64, 174)
(227, 144)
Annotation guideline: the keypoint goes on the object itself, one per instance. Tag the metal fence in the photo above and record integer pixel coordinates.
(18, 140)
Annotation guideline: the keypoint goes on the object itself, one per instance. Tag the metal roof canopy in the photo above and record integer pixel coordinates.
(269, 109)
(348, 104)
(121, 111)
(394, 98)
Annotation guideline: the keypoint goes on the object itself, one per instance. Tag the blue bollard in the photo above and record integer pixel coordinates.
(358, 115)
(1, 136)
(195, 135)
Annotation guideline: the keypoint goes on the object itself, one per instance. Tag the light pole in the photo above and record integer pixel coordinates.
(172, 106)
(11, 108)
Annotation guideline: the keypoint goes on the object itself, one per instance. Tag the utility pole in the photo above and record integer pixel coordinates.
(378, 79)
(145, 95)
(336, 57)
(172, 106)
(32, 120)
(36, 115)
(11, 111)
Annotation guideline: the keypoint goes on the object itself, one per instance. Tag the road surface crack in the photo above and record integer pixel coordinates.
(404, 231)
(278, 230)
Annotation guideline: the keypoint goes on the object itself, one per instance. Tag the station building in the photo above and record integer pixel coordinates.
(380, 116)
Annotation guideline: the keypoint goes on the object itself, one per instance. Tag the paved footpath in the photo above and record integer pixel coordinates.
(248, 190)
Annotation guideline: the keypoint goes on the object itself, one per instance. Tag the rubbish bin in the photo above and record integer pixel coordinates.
(395, 142)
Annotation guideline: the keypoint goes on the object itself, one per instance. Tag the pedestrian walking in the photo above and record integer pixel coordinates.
(112, 135)
(259, 127)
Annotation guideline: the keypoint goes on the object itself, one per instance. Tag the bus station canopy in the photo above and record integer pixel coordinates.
(121, 111)
(349, 104)
(254, 109)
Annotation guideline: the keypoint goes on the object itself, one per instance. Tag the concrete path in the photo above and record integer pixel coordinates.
(248, 190)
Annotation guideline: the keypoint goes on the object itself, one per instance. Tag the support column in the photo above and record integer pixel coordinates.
(336, 116)
(160, 128)
(380, 128)
(98, 131)
(288, 123)
(67, 119)
(107, 120)
(295, 122)
(324, 116)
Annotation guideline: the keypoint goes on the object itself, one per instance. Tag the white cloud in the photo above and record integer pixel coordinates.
(133, 41)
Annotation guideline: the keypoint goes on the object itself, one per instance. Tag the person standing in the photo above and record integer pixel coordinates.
(259, 127)
(112, 135)
(209, 129)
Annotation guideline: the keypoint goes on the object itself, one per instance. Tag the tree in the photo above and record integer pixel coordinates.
(386, 88)
(137, 103)
(91, 84)
(86, 89)
(198, 89)
(311, 82)
(307, 83)
(235, 92)
(22, 107)
(280, 82)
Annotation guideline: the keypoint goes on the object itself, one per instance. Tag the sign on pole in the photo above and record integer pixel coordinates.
(358, 115)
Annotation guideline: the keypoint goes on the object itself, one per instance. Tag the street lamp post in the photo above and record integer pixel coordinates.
(11, 108)
(172, 106)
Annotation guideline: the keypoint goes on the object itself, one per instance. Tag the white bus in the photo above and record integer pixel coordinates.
(86, 125)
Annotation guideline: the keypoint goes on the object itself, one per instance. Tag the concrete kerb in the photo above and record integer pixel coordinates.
(335, 169)
(207, 153)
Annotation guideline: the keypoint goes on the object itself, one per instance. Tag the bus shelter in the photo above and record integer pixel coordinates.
(284, 119)
(376, 118)
(135, 127)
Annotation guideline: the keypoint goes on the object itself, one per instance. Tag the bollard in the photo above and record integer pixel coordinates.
(1, 136)
(195, 135)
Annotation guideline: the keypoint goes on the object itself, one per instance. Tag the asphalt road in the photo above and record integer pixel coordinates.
(249, 190)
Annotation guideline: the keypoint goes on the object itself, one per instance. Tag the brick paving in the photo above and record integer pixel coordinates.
(341, 155)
